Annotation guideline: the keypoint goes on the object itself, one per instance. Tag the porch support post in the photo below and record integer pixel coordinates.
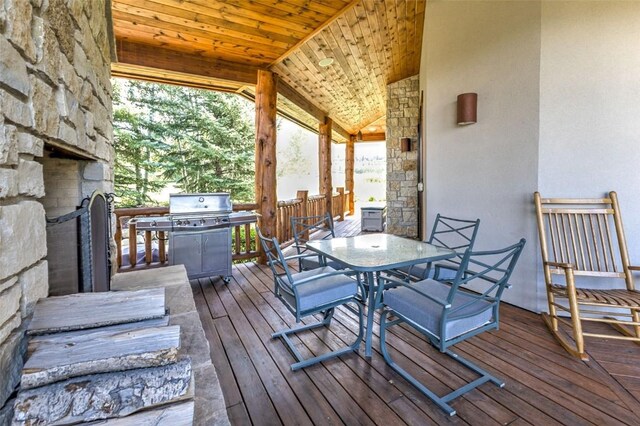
(265, 186)
(349, 170)
(324, 151)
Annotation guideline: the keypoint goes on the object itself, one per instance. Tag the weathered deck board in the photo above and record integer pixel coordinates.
(116, 351)
(89, 310)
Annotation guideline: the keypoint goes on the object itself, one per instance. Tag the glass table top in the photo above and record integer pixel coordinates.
(375, 252)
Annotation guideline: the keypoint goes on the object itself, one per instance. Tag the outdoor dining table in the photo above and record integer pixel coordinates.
(373, 253)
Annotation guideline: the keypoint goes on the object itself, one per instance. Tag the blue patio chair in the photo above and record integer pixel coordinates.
(306, 293)
(448, 314)
(448, 232)
(303, 228)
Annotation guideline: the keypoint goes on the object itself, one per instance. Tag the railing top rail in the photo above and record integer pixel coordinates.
(293, 201)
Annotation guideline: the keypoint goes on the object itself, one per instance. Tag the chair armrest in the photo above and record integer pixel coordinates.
(560, 265)
(634, 268)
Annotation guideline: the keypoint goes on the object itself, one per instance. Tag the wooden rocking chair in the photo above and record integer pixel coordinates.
(585, 237)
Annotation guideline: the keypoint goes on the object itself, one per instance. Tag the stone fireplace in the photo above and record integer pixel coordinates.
(55, 149)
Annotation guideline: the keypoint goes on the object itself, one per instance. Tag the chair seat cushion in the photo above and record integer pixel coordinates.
(313, 262)
(428, 314)
(325, 290)
(420, 271)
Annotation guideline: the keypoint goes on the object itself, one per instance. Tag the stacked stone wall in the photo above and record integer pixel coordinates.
(403, 104)
(55, 97)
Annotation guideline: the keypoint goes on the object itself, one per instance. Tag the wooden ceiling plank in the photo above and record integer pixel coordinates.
(317, 30)
(401, 27)
(338, 100)
(186, 42)
(127, 20)
(191, 19)
(261, 12)
(325, 96)
(242, 15)
(166, 59)
(370, 53)
(410, 36)
(293, 29)
(396, 69)
(349, 91)
(382, 23)
(378, 31)
(205, 51)
(419, 24)
(295, 8)
(364, 94)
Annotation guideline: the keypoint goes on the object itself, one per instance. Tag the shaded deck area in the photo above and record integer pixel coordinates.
(543, 384)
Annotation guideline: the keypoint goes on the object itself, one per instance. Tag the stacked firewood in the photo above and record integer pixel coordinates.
(105, 358)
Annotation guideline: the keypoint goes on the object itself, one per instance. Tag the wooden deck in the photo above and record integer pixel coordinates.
(544, 386)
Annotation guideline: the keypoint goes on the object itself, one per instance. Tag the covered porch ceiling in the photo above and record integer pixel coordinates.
(220, 45)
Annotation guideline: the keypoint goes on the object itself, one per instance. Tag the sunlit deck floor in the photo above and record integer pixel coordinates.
(544, 386)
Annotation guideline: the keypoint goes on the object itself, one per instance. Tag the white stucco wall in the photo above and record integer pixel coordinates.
(558, 85)
(590, 105)
(486, 170)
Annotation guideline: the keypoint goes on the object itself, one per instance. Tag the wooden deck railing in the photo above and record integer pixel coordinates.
(243, 243)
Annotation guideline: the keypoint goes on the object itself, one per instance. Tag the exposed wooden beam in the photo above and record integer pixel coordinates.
(265, 156)
(171, 77)
(171, 60)
(373, 137)
(302, 102)
(314, 32)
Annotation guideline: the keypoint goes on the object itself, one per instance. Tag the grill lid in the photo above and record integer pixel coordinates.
(218, 203)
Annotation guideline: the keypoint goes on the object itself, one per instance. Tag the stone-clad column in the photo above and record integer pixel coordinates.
(403, 99)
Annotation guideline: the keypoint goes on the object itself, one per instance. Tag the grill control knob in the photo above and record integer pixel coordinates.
(154, 223)
(202, 221)
(186, 222)
(178, 222)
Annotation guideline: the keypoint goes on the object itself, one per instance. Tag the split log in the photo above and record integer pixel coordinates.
(116, 351)
(92, 333)
(89, 310)
(103, 396)
(167, 415)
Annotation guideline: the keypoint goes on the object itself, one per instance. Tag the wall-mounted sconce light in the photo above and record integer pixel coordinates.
(405, 144)
(467, 109)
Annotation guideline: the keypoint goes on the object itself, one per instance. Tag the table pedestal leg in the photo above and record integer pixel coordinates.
(371, 307)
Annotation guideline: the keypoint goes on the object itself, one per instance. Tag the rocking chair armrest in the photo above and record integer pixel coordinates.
(562, 265)
(634, 268)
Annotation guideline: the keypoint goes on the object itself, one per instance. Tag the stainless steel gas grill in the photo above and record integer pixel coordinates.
(199, 228)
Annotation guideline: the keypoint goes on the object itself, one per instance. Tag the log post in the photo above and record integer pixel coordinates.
(266, 197)
(340, 190)
(303, 195)
(349, 170)
(324, 151)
